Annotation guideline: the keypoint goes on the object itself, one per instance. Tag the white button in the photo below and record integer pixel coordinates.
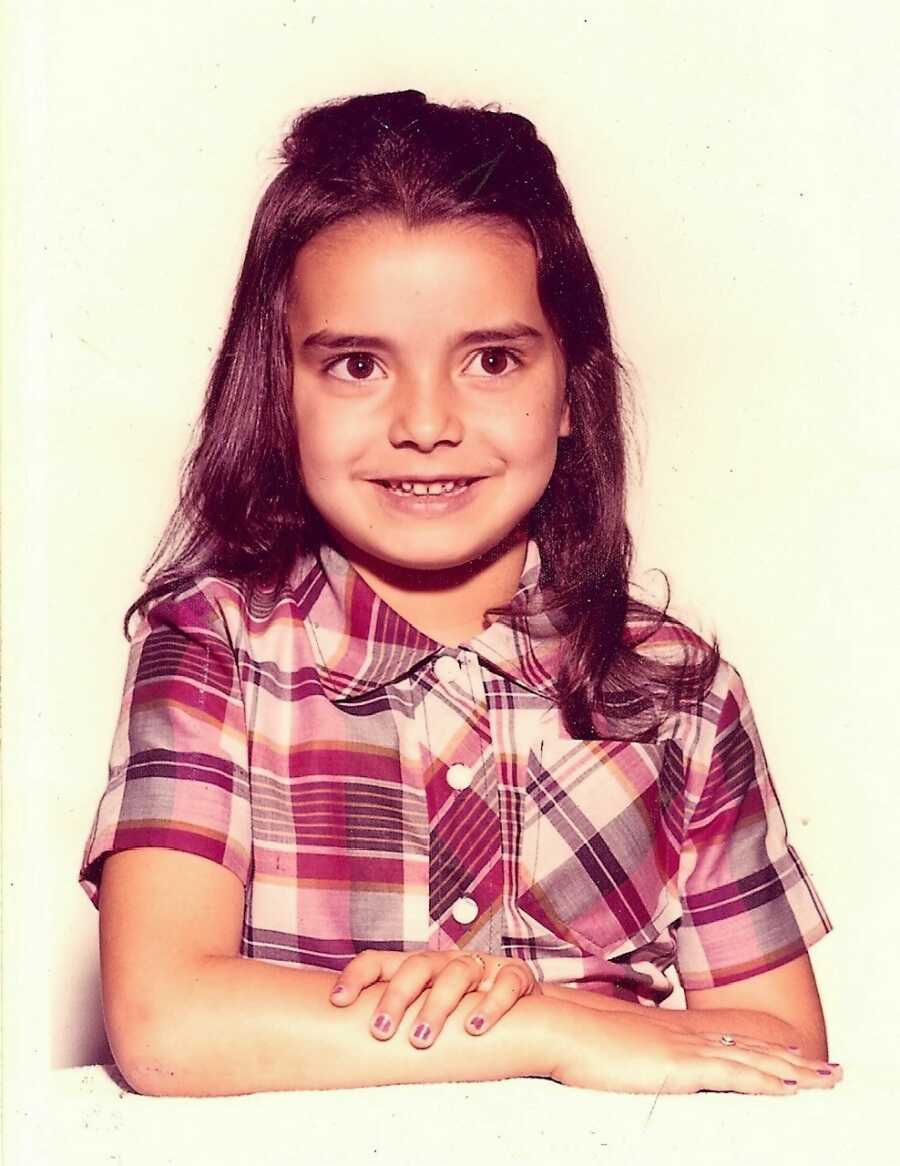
(464, 910)
(446, 669)
(459, 777)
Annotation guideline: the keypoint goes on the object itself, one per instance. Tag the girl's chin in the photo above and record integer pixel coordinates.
(437, 554)
(418, 558)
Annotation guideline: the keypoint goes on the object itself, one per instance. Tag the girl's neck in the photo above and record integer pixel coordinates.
(447, 604)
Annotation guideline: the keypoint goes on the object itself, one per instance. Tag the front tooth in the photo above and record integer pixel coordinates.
(433, 488)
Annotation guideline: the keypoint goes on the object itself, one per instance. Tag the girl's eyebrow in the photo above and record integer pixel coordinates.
(333, 340)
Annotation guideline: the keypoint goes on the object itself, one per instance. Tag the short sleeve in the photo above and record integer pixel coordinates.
(748, 904)
(178, 773)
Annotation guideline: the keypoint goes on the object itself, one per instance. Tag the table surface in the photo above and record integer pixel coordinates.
(93, 1117)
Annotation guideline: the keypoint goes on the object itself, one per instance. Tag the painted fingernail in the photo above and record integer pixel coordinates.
(833, 1064)
(382, 1023)
(788, 1082)
(824, 1072)
(337, 989)
(422, 1032)
(477, 1022)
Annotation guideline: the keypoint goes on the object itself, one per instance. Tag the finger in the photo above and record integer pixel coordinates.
(793, 1054)
(497, 966)
(406, 985)
(489, 976)
(827, 1072)
(724, 1075)
(480, 968)
(782, 1066)
(458, 978)
(363, 970)
(754, 1042)
(511, 984)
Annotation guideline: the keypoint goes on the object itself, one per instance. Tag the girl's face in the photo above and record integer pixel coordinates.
(422, 362)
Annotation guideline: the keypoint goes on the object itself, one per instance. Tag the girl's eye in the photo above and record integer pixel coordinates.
(357, 366)
(362, 366)
(493, 362)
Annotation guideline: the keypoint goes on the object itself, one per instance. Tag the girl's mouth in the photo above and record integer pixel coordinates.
(430, 499)
(428, 489)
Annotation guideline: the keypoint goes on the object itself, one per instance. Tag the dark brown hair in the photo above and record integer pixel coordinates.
(243, 512)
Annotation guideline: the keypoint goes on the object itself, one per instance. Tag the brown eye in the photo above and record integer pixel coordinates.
(496, 362)
(360, 365)
(357, 366)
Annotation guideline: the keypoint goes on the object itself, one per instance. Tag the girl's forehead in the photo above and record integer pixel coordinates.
(386, 237)
(382, 279)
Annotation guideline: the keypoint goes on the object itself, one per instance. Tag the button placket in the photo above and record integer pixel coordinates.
(463, 674)
(460, 775)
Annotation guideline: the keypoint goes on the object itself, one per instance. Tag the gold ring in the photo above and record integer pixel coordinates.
(474, 956)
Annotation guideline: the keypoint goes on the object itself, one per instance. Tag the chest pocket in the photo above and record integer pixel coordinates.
(593, 858)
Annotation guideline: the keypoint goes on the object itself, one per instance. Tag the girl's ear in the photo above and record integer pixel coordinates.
(565, 421)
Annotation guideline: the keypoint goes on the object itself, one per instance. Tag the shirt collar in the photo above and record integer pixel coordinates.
(360, 643)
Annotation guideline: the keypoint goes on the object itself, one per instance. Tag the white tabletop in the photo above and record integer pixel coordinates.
(93, 1118)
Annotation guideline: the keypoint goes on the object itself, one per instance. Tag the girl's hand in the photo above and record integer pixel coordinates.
(449, 975)
(622, 1053)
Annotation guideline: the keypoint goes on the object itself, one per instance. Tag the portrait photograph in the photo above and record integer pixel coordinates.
(450, 473)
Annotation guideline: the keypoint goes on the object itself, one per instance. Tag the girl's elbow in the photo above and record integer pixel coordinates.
(147, 1048)
(145, 1060)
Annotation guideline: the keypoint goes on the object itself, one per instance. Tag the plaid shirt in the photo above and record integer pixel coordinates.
(372, 788)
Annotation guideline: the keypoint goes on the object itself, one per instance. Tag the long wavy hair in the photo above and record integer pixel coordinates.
(243, 512)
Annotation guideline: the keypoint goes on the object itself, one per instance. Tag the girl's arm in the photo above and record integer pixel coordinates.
(781, 1006)
(785, 999)
(186, 1015)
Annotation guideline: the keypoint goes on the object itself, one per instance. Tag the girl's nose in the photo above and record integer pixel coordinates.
(426, 414)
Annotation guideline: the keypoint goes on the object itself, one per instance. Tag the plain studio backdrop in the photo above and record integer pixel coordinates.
(733, 168)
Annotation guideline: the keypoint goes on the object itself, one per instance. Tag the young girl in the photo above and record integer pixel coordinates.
(406, 786)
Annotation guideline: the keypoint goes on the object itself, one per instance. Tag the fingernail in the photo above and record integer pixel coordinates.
(824, 1072)
(793, 1048)
(833, 1064)
(382, 1023)
(337, 989)
(477, 1022)
(422, 1032)
(788, 1082)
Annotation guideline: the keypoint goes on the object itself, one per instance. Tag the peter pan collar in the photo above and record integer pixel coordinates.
(361, 644)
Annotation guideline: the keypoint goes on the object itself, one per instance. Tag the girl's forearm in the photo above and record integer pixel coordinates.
(760, 1025)
(232, 1025)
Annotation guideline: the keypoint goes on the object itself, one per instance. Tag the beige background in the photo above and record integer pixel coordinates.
(734, 168)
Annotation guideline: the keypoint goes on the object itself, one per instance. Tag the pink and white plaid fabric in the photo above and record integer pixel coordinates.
(372, 788)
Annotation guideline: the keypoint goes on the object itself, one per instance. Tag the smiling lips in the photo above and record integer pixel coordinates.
(431, 487)
(432, 498)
